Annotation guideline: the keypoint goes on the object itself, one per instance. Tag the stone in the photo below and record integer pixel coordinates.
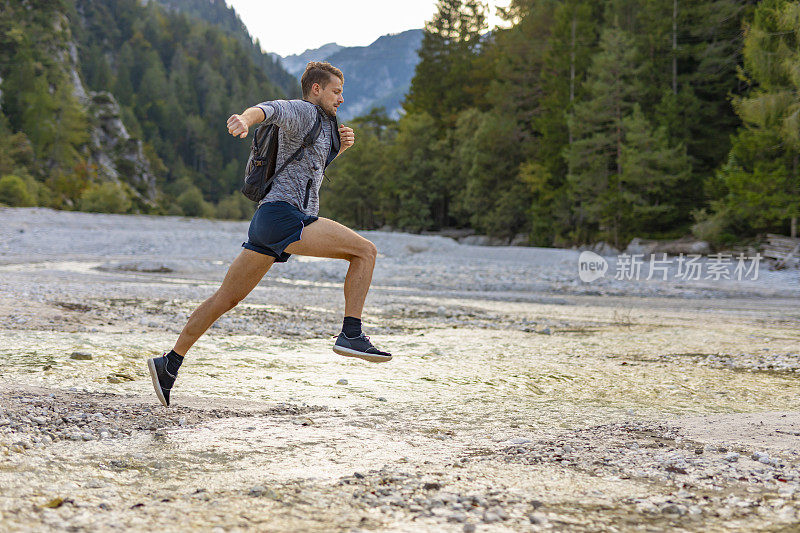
(761, 457)
(342, 382)
(675, 509)
(457, 517)
(81, 356)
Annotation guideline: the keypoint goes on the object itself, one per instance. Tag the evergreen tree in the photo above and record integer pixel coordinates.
(446, 80)
(652, 172)
(761, 178)
(597, 128)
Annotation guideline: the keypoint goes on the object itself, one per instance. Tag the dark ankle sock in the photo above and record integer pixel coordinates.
(351, 326)
(173, 362)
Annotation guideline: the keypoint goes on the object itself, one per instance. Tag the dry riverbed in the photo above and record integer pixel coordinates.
(519, 399)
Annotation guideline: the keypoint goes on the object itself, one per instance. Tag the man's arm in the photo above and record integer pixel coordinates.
(295, 117)
(347, 138)
(239, 125)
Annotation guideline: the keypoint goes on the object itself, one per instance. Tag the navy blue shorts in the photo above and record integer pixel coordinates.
(275, 226)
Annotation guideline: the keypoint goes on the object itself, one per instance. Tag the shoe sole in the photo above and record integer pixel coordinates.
(372, 358)
(154, 376)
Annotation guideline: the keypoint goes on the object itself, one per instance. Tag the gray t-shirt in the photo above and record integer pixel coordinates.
(300, 181)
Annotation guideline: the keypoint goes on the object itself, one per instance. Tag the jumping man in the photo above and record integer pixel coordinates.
(286, 222)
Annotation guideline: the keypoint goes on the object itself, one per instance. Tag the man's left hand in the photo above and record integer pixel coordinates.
(347, 137)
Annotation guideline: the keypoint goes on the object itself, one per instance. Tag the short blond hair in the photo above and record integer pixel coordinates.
(318, 72)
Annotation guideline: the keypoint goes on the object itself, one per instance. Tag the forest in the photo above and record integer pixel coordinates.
(580, 121)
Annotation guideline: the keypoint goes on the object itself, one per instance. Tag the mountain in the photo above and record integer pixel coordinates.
(296, 64)
(377, 75)
(218, 13)
(120, 106)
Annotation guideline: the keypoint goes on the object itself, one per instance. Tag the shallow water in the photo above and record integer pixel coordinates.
(474, 369)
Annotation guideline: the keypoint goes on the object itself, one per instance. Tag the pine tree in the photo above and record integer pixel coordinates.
(652, 174)
(761, 177)
(597, 128)
(446, 80)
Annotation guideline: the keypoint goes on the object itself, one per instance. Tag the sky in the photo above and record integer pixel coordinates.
(293, 26)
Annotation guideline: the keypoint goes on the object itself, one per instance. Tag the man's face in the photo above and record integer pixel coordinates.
(329, 97)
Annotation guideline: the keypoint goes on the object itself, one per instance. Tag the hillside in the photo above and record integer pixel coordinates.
(118, 106)
(218, 13)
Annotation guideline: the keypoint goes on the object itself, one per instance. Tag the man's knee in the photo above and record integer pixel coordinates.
(227, 300)
(367, 250)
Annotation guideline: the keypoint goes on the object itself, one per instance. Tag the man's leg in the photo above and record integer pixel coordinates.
(326, 238)
(243, 275)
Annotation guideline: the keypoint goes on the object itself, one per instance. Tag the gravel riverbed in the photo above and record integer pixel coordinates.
(520, 398)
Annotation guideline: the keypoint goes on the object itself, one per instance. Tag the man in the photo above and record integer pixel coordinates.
(286, 222)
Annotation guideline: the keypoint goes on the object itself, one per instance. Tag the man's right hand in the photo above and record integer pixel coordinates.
(237, 126)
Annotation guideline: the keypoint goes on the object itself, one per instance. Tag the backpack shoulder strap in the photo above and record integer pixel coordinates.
(308, 140)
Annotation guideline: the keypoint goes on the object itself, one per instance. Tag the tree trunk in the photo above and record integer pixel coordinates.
(572, 70)
(674, 46)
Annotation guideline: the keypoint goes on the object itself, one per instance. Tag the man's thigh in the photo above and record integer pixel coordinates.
(327, 238)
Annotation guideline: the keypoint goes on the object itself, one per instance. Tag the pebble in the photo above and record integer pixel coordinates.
(81, 356)
(731, 457)
(342, 382)
(761, 457)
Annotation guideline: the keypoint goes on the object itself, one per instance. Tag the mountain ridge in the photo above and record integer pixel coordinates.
(376, 75)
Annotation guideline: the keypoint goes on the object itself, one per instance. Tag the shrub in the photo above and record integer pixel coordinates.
(235, 207)
(15, 192)
(192, 204)
(106, 197)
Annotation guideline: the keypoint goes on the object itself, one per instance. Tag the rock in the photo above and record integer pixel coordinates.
(342, 382)
(481, 240)
(432, 485)
(518, 440)
(520, 239)
(257, 491)
(469, 528)
(457, 517)
(675, 509)
(108, 136)
(685, 245)
(545, 331)
(358, 475)
(382, 399)
(731, 457)
(40, 420)
(490, 518)
(537, 518)
(81, 356)
(761, 457)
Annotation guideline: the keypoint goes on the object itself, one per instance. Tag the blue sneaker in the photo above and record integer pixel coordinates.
(162, 379)
(360, 347)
